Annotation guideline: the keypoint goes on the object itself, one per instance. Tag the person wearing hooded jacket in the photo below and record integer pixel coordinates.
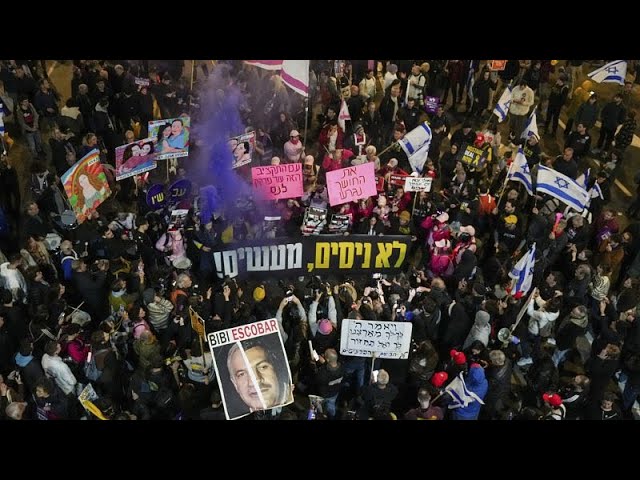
(476, 382)
(480, 330)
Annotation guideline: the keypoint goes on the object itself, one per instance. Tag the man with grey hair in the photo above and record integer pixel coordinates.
(499, 379)
(377, 398)
(180, 295)
(258, 375)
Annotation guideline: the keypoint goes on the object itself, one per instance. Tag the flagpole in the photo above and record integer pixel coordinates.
(522, 311)
(385, 150)
(306, 117)
(504, 185)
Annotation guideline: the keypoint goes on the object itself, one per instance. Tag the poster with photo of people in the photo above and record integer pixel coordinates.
(135, 158)
(171, 137)
(242, 148)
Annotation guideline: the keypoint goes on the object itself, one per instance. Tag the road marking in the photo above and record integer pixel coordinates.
(52, 67)
(618, 183)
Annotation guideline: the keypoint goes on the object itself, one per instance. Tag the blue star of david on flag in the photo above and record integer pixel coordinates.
(613, 72)
(563, 188)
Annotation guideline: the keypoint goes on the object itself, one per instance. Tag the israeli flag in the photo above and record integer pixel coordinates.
(595, 192)
(531, 127)
(502, 107)
(612, 72)
(583, 179)
(460, 394)
(522, 272)
(561, 187)
(416, 145)
(519, 171)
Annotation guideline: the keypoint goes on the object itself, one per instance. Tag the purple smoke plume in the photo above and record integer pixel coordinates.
(219, 119)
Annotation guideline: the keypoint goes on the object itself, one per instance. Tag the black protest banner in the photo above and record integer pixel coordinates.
(472, 156)
(318, 254)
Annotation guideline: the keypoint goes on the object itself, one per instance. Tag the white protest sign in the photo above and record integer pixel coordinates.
(418, 184)
(364, 338)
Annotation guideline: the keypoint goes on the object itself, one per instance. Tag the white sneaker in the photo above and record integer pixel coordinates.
(524, 361)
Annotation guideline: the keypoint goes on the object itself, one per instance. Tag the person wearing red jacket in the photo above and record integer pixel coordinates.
(331, 138)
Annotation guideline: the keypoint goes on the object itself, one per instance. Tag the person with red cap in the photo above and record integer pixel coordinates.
(554, 408)
(456, 364)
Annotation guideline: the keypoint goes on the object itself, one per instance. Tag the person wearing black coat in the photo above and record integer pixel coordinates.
(454, 327)
(601, 370)
(372, 124)
(612, 115)
(571, 327)
(481, 93)
(389, 109)
(7, 347)
(499, 377)
(29, 368)
(92, 288)
(557, 98)
(51, 402)
(463, 136)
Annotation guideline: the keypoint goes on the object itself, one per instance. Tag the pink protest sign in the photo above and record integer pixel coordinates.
(274, 182)
(351, 184)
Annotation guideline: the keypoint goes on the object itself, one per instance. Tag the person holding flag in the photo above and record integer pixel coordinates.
(562, 187)
(416, 145)
(541, 322)
(502, 107)
(531, 126)
(522, 273)
(467, 396)
(519, 171)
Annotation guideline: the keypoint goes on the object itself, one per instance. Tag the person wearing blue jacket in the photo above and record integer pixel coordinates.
(476, 382)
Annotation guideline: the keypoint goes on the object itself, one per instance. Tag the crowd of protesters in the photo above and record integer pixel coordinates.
(108, 304)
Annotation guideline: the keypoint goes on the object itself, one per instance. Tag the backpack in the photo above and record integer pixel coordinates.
(91, 370)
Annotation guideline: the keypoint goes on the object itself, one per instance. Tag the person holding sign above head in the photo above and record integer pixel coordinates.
(255, 373)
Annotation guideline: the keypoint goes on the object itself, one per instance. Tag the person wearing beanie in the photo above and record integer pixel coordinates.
(477, 384)
(463, 136)
(324, 333)
(401, 224)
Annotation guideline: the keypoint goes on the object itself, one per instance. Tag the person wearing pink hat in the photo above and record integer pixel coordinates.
(324, 330)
